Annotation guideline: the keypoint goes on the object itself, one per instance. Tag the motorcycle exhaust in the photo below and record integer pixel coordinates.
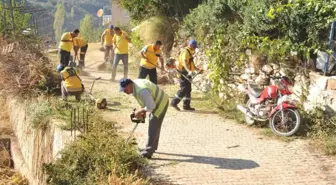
(244, 110)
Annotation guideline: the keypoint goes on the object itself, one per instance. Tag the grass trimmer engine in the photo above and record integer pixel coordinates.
(137, 120)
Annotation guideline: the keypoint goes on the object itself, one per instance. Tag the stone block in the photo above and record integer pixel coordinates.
(267, 69)
(318, 80)
(331, 84)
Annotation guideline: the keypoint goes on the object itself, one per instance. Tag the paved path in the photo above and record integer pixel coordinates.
(200, 148)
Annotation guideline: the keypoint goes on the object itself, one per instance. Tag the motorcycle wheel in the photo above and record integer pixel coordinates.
(248, 120)
(289, 127)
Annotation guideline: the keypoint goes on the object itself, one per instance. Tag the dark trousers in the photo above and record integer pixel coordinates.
(82, 55)
(154, 129)
(143, 72)
(184, 92)
(64, 57)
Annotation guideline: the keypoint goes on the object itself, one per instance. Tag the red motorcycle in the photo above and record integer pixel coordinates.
(272, 104)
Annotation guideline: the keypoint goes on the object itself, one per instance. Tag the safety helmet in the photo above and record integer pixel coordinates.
(60, 67)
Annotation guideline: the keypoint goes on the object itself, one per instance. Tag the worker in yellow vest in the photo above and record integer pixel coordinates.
(120, 41)
(71, 83)
(66, 46)
(186, 66)
(106, 40)
(153, 100)
(150, 55)
(80, 43)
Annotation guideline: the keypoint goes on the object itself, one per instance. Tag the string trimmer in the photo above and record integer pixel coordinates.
(170, 64)
(100, 103)
(136, 121)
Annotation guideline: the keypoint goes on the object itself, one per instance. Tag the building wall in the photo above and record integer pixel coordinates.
(120, 16)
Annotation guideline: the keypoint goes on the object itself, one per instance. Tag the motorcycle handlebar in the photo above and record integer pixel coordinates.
(276, 78)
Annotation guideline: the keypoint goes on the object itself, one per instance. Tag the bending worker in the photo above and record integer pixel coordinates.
(150, 54)
(66, 45)
(106, 40)
(81, 44)
(71, 83)
(186, 67)
(152, 99)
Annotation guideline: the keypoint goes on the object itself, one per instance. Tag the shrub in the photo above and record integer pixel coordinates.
(95, 157)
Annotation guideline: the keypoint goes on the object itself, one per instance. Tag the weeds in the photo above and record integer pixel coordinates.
(329, 145)
(40, 114)
(322, 128)
(9, 176)
(98, 157)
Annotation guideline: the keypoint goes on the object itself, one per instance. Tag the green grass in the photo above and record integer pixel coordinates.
(329, 145)
(97, 157)
(268, 133)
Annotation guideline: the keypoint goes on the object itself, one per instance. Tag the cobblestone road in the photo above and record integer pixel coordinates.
(200, 148)
(205, 149)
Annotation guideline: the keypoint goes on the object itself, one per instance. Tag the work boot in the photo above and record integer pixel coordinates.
(175, 106)
(189, 108)
(186, 105)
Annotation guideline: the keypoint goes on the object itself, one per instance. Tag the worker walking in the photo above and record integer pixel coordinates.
(150, 55)
(106, 40)
(186, 67)
(66, 46)
(80, 43)
(152, 99)
(71, 83)
(120, 41)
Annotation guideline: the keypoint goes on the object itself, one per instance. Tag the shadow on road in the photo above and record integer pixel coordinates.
(220, 163)
(201, 111)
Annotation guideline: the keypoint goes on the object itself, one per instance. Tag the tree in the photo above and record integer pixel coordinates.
(59, 21)
(87, 29)
(21, 20)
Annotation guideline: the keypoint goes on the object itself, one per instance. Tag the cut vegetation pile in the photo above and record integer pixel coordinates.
(25, 69)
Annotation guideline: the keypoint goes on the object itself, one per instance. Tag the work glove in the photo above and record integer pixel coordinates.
(190, 74)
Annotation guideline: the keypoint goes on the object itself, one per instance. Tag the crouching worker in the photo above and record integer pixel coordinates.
(71, 83)
(152, 99)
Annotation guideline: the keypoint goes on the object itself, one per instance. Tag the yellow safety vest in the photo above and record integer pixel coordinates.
(71, 79)
(160, 97)
(187, 54)
(66, 46)
(108, 38)
(151, 61)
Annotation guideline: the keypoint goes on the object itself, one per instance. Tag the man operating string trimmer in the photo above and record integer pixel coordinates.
(152, 99)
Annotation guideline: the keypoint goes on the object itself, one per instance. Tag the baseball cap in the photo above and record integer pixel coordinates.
(193, 43)
(123, 83)
(111, 26)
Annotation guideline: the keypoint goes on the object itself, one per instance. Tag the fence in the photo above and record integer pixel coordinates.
(79, 120)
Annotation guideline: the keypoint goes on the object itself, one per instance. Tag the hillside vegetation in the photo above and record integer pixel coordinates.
(75, 10)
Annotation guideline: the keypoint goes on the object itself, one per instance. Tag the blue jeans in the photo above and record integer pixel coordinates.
(117, 58)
